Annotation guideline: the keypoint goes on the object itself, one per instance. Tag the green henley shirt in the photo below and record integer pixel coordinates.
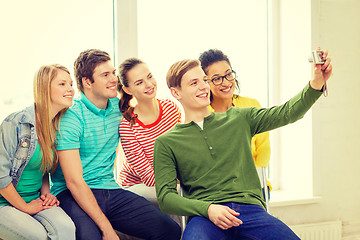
(215, 164)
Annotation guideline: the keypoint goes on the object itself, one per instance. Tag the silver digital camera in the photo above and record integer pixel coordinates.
(317, 57)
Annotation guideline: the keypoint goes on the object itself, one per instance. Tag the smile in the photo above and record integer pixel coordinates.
(112, 87)
(226, 90)
(203, 95)
(151, 91)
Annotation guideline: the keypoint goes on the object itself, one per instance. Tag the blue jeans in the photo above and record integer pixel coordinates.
(257, 225)
(51, 223)
(127, 212)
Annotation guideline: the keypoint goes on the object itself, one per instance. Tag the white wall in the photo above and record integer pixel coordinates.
(336, 162)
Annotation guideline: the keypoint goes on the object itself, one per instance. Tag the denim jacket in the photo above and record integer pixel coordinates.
(18, 140)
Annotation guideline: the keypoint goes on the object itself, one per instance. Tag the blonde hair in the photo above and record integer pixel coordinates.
(178, 70)
(44, 124)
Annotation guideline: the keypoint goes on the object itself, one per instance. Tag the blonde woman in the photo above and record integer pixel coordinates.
(27, 154)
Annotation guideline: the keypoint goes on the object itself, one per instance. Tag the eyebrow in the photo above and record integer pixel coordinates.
(141, 79)
(103, 73)
(64, 80)
(196, 79)
(136, 81)
(227, 70)
(107, 72)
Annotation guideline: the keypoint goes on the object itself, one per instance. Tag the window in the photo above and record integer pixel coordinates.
(267, 45)
(289, 72)
(169, 31)
(46, 32)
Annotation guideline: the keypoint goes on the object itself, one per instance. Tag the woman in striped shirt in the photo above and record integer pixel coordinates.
(141, 125)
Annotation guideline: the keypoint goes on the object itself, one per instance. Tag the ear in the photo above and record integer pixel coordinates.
(127, 90)
(86, 83)
(175, 93)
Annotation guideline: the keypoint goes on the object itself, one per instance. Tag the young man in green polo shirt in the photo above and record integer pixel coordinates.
(210, 154)
(86, 143)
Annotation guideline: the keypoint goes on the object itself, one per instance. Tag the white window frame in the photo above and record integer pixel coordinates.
(291, 178)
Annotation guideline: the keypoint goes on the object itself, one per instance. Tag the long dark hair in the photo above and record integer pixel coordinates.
(124, 104)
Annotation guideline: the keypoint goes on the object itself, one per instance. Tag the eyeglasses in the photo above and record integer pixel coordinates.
(219, 79)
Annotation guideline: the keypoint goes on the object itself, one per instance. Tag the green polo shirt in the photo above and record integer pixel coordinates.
(95, 133)
(215, 164)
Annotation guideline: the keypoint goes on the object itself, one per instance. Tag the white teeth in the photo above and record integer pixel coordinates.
(150, 91)
(226, 89)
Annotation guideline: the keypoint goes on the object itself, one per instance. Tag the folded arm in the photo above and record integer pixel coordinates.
(166, 186)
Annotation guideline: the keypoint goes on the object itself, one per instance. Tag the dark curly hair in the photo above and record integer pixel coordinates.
(211, 56)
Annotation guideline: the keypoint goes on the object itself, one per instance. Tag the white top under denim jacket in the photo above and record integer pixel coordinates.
(18, 140)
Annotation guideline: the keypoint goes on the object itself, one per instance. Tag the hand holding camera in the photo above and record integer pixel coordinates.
(317, 57)
(322, 70)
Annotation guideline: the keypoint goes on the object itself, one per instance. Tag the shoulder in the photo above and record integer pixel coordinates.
(77, 107)
(26, 115)
(124, 125)
(74, 114)
(171, 133)
(115, 102)
(240, 101)
(167, 103)
(170, 109)
(234, 113)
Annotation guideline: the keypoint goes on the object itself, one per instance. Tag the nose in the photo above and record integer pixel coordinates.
(71, 88)
(148, 83)
(205, 85)
(114, 78)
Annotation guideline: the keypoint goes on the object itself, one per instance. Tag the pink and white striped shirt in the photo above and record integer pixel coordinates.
(138, 144)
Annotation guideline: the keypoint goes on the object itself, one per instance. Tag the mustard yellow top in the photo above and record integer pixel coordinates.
(260, 143)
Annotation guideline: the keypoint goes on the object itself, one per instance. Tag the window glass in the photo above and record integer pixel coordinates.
(169, 31)
(35, 33)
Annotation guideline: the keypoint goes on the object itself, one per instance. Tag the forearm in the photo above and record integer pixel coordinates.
(86, 200)
(173, 203)
(166, 186)
(45, 187)
(13, 197)
(263, 120)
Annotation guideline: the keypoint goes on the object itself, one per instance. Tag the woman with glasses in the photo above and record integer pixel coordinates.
(223, 84)
(27, 155)
(141, 125)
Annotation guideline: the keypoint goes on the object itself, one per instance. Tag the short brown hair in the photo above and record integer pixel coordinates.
(85, 64)
(178, 70)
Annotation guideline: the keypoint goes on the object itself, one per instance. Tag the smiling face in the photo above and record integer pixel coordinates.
(61, 91)
(104, 86)
(194, 93)
(141, 83)
(227, 88)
